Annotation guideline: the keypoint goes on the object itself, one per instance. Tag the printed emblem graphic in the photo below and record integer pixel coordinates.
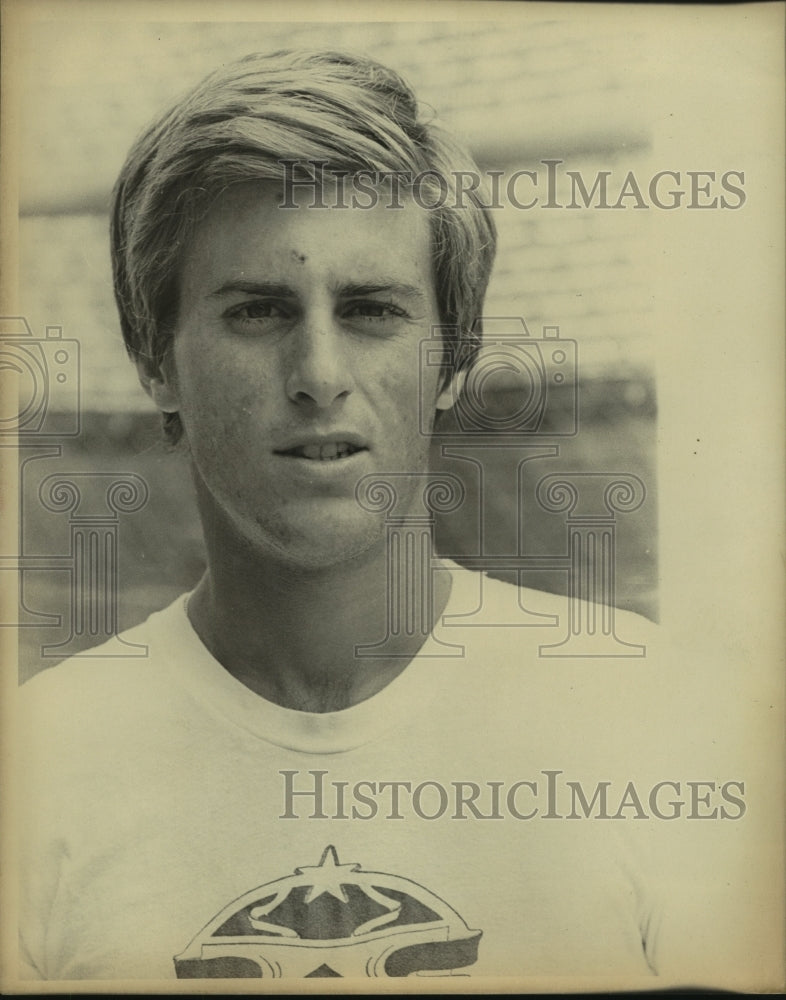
(331, 919)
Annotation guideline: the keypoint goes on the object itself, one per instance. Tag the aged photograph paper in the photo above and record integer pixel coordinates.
(393, 476)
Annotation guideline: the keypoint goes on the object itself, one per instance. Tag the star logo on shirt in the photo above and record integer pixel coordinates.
(376, 925)
(328, 876)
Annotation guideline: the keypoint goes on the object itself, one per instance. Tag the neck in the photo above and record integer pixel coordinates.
(289, 633)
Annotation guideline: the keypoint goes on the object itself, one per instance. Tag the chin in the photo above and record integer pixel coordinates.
(331, 543)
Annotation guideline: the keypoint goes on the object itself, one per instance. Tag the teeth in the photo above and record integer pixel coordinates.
(325, 452)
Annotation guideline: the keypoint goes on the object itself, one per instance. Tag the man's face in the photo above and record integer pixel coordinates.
(296, 366)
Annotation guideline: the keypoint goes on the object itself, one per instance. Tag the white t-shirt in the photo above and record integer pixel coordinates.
(473, 818)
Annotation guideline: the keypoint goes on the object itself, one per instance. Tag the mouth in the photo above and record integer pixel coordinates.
(328, 451)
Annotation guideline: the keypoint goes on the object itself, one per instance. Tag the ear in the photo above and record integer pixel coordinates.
(448, 396)
(159, 389)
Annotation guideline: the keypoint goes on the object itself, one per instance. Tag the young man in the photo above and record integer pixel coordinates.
(341, 756)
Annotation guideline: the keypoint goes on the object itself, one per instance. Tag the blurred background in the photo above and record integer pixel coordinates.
(543, 86)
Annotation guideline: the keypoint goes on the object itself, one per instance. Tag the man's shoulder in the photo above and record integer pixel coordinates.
(92, 711)
(522, 645)
(125, 661)
(499, 605)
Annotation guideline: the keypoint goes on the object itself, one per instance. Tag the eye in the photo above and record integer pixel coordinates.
(258, 309)
(374, 310)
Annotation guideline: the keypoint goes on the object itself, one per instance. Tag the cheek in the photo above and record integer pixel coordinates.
(216, 391)
(399, 375)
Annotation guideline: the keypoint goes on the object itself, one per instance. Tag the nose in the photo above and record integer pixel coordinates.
(318, 371)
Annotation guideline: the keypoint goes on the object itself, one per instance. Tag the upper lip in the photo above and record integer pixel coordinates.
(304, 438)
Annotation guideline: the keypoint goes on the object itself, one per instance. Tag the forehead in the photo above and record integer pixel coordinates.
(247, 230)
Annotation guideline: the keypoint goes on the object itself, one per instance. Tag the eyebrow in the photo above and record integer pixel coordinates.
(253, 288)
(350, 290)
(385, 286)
